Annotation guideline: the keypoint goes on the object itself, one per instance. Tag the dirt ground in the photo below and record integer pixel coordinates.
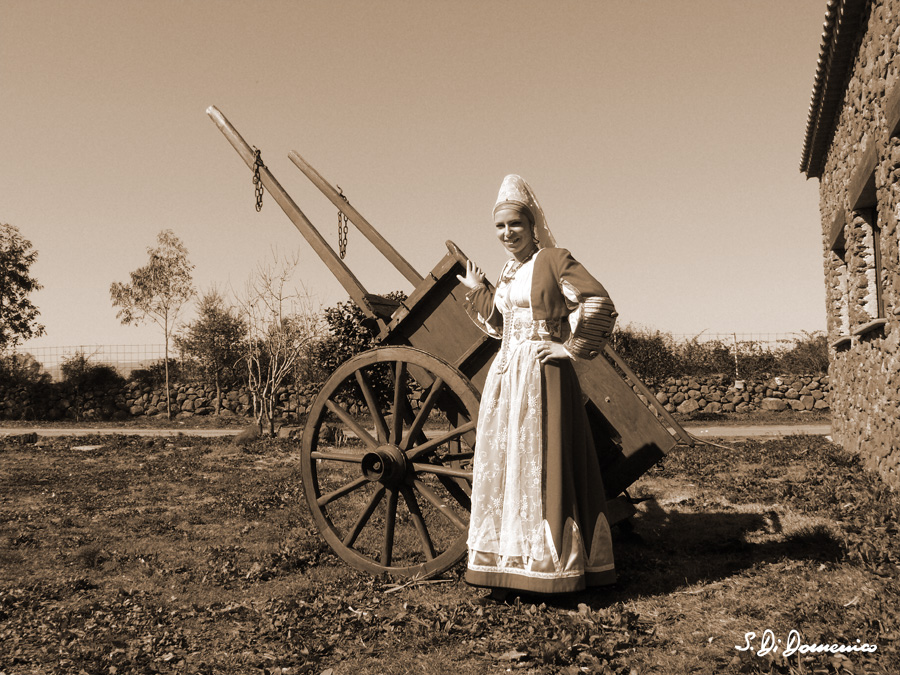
(126, 554)
(759, 417)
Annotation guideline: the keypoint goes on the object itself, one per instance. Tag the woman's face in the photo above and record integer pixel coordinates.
(514, 231)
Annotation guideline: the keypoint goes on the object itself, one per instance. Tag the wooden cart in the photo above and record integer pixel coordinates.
(396, 501)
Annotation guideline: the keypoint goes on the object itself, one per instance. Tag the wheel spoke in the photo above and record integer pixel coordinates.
(336, 456)
(442, 507)
(422, 415)
(457, 456)
(360, 523)
(416, 513)
(390, 518)
(326, 499)
(347, 419)
(441, 470)
(425, 448)
(381, 430)
(399, 398)
(456, 491)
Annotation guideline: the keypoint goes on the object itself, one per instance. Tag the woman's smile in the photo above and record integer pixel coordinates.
(514, 232)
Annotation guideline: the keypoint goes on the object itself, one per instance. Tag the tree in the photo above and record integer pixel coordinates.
(282, 324)
(157, 292)
(18, 316)
(214, 339)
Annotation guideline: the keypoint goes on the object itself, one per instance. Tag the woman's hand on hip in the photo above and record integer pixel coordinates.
(548, 351)
(474, 276)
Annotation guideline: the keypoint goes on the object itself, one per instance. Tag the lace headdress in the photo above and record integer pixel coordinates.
(516, 193)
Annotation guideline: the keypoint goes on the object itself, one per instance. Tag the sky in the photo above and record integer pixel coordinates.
(663, 140)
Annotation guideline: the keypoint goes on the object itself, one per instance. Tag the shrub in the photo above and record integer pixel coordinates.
(655, 356)
(154, 375)
(22, 369)
(350, 333)
(79, 372)
(808, 355)
(698, 359)
(651, 354)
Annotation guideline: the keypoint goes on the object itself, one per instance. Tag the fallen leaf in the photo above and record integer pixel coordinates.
(512, 655)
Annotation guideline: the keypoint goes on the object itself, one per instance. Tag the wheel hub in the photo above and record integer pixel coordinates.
(386, 464)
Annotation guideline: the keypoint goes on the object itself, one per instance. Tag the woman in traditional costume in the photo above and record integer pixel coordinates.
(538, 521)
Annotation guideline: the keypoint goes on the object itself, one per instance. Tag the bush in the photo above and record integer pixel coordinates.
(154, 375)
(808, 355)
(655, 356)
(699, 359)
(351, 333)
(651, 354)
(22, 369)
(79, 372)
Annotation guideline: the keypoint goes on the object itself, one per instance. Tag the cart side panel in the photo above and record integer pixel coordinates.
(434, 320)
(629, 438)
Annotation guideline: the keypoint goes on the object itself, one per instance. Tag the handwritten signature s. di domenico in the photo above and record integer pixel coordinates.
(768, 644)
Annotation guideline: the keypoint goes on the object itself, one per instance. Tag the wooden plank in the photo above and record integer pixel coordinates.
(356, 218)
(638, 438)
(341, 272)
(836, 239)
(649, 395)
(861, 187)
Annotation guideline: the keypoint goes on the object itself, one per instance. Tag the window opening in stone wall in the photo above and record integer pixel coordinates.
(840, 292)
(864, 264)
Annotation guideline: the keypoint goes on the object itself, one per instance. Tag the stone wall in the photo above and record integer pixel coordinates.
(133, 400)
(859, 203)
(721, 395)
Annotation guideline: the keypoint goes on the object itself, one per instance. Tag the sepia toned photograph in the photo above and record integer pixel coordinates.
(393, 338)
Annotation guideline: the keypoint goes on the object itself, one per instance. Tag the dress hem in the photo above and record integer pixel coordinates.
(514, 581)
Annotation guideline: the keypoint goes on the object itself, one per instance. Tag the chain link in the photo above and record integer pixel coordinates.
(342, 227)
(257, 181)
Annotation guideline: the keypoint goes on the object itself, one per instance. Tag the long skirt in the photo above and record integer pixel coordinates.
(538, 521)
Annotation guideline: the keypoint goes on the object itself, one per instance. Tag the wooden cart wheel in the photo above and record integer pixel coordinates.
(395, 499)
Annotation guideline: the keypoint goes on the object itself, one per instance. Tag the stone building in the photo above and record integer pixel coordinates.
(852, 146)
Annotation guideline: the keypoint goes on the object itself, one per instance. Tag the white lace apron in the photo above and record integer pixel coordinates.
(507, 515)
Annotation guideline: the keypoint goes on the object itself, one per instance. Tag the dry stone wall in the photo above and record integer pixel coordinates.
(719, 395)
(133, 400)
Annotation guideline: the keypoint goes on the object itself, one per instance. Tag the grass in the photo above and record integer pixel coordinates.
(127, 554)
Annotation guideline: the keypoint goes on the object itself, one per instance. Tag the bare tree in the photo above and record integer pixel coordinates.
(282, 323)
(157, 291)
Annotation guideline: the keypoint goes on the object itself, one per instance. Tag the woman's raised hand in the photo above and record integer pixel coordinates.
(474, 276)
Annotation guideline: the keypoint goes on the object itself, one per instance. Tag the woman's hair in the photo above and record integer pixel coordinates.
(516, 206)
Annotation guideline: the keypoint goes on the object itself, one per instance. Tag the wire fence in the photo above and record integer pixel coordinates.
(124, 358)
(127, 358)
(759, 341)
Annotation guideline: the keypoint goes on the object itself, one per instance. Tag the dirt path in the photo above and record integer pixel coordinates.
(700, 432)
(760, 431)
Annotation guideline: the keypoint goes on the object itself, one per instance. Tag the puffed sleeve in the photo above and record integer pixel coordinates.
(479, 305)
(592, 312)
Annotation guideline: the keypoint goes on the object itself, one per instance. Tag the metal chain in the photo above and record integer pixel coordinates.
(257, 181)
(342, 227)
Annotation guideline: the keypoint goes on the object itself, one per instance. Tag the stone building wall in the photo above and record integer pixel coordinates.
(865, 336)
